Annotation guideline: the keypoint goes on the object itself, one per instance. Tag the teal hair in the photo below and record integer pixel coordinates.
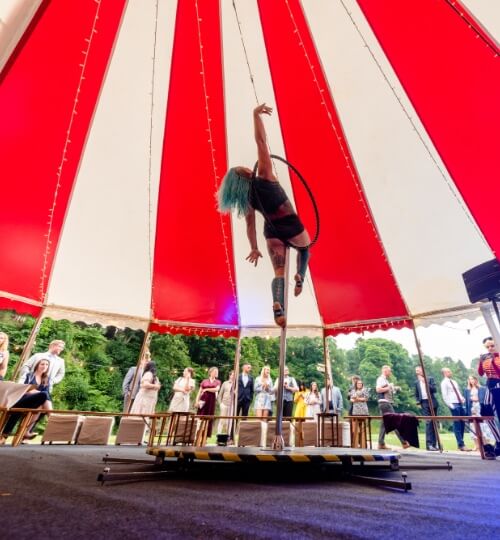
(234, 193)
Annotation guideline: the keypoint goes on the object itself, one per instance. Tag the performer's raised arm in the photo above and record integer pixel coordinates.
(265, 166)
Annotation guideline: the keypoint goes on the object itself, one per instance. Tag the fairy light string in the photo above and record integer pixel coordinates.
(417, 129)
(150, 162)
(215, 175)
(322, 92)
(64, 159)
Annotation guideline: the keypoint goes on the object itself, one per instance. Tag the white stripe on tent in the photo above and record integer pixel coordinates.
(428, 234)
(487, 12)
(104, 261)
(254, 284)
(15, 16)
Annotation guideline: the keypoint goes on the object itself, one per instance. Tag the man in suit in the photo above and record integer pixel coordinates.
(331, 399)
(245, 390)
(423, 401)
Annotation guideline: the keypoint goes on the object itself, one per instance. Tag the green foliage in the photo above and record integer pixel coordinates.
(98, 358)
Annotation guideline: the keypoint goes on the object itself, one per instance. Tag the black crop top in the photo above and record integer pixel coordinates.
(266, 196)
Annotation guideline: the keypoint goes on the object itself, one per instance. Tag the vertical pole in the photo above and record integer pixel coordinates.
(234, 388)
(490, 322)
(29, 344)
(145, 346)
(328, 372)
(279, 443)
(429, 395)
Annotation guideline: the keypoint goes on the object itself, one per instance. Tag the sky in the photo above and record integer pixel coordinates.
(459, 340)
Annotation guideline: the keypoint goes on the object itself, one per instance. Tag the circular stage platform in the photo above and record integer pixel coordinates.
(253, 454)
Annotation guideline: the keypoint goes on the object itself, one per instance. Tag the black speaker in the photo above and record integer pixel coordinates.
(483, 282)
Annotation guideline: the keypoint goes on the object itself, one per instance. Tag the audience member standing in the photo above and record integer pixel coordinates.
(128, 393)
(489, 366)
(423, 400)
(183, 386)
(224, 398)
(474, 397)
(289, 389)
(300, 403)
(385, 395)
(57, 369)
(245, 390)
(313, 400)
(359, 398)
(455, 401)
(264, 391)
(352, 386)
(207, 396)
(145, 401)
(4, 354)
(331, 399)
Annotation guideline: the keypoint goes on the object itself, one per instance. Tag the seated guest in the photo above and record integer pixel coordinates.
(57, 368)
(313, 400)
(4, 354)
(34, 399)
(40, 379)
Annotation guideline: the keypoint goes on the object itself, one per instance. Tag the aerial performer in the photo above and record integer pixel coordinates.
(246, 192)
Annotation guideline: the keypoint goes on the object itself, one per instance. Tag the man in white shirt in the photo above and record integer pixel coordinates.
(455, 401)
(245, 390)
(385, 395)
(57, 368)
(289, 388)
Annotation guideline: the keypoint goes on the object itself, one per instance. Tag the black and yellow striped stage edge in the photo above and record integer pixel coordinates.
(254, 454)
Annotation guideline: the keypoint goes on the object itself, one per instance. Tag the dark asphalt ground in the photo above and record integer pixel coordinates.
(51, 492)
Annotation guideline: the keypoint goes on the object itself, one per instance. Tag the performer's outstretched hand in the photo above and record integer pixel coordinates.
(254, 256)
(263, 109)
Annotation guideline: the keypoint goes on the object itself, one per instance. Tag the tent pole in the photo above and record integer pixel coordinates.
(490, 322)
(328, 372)
(29, 345)
(427, 389)
(233, 408)
(278, 442)
(145, 346)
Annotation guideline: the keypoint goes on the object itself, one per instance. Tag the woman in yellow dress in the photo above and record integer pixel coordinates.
(300, 404)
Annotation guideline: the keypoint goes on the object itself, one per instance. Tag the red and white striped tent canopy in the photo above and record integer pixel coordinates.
(119, 118)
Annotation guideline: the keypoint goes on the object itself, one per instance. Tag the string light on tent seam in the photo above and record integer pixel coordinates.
(457, 8)
(64, 159)
(212, 153)
(341, 141)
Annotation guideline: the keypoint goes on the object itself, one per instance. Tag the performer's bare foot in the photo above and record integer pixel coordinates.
(299, 282)
(279, 315)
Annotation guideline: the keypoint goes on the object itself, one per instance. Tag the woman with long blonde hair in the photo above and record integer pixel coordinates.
(264, 391)
(4, 354)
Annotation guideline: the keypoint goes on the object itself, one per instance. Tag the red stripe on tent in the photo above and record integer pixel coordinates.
(193, 266)
(19, 307)
(192, 330)
(452, 78)
(37, 98)
(351, 276)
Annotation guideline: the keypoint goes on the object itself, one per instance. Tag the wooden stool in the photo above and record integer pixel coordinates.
(181, 429)
(328, 429)
(359, 433)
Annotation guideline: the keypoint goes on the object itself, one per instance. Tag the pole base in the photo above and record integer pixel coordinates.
(278, 443)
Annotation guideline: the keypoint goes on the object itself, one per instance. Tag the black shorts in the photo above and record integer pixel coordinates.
(283, 228)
